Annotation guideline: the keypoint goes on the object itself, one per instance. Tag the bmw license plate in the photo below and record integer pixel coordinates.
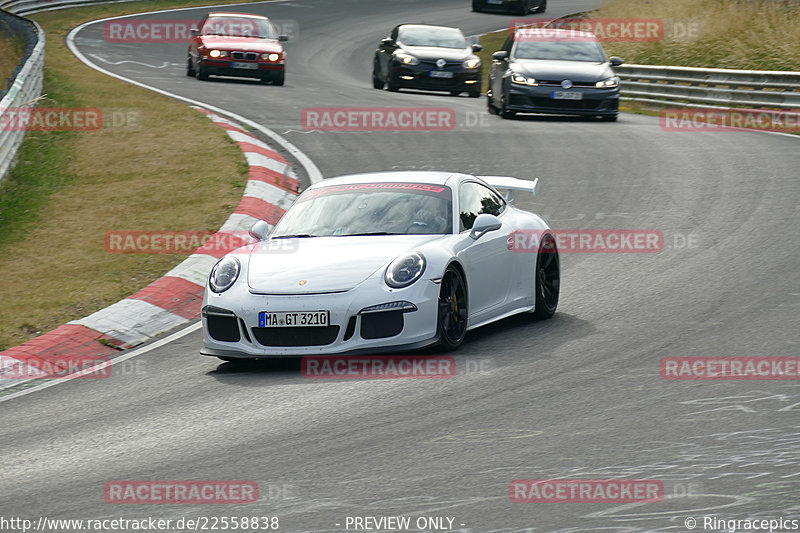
(293, 319)
(251, 66)
(441, 74)
(567, 95)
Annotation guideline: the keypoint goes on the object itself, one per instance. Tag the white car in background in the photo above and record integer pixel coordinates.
(380, 261)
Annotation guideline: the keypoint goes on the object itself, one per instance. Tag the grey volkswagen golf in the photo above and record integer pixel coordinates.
(556, 71)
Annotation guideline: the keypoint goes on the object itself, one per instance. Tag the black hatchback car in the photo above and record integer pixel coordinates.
(519, 7)
(556, 71)
(422, 56)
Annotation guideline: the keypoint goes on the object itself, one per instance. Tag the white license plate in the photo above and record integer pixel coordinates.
(251, 66)
(293, 319)
(567, 95)
(441, 74)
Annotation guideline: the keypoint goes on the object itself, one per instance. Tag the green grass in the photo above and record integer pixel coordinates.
(11, 50)
(69, 188)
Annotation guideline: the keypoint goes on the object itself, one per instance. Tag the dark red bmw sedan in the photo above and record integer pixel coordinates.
(237, 44)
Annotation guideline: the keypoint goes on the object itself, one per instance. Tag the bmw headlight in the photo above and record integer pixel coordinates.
(224, 274)
(522, 80)
(271, 57)
(472, 63)
(608, 83)
(405, 270)
(406, 59)
(218, 53)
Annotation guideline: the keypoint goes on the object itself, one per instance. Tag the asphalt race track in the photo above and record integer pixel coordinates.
(579, 396)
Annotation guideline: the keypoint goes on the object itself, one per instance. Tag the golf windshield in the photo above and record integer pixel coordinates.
(560, 50)
(369, 209)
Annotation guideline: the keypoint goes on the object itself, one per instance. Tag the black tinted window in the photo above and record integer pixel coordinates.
(474, 199)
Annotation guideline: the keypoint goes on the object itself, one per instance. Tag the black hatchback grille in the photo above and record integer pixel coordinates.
(296, 336)
(432, 64)
(247, 56)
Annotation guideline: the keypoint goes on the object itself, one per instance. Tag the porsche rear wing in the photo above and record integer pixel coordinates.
(512, 184)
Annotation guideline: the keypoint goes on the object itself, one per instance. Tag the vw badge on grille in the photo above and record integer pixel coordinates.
(566, 84)
(441, 63)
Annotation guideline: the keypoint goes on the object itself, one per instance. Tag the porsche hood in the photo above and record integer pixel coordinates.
(324, 264)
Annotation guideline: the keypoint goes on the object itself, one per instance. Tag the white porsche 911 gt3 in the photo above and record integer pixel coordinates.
(380, 261)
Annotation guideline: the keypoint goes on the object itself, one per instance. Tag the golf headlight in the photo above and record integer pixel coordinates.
(472, 63)
(218, 53)
(522, 80)
(224, 274)
(609, 83)
(407, 59)
(271, 57)
(405, 270)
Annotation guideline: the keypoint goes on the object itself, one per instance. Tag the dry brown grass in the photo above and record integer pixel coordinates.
(178, 171)
(11, 50)
(747, 34)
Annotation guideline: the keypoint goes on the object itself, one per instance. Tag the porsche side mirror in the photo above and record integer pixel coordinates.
(484, 223)
(501, 55)
(283, 38)
(194, 32)
(615, 61)
(476, 47)
(260, 230)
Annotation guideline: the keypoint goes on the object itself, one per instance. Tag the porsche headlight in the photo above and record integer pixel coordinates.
(472, 63)
(271, 57)
(522, 80)
(218, 53)
(405, 270)
(224, 274)
(406, 59)
(608, 83)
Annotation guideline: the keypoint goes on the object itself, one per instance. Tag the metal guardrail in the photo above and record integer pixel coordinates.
(24, 87)
(699, 87)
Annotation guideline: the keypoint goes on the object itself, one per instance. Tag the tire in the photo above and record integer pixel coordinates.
(524, 7)
(190, 68)
(201, 73)
(451, 321)
(391, 86)
(476, 94)
(476, 6)
(542, 7)
(279, 79)
(547, 283)
(377, 82)
(455, 93)
(610, 118)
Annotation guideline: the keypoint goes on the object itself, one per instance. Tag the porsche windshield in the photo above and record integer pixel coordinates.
(583, 50)
(239, 27)
(437, 38)
(369, 209)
